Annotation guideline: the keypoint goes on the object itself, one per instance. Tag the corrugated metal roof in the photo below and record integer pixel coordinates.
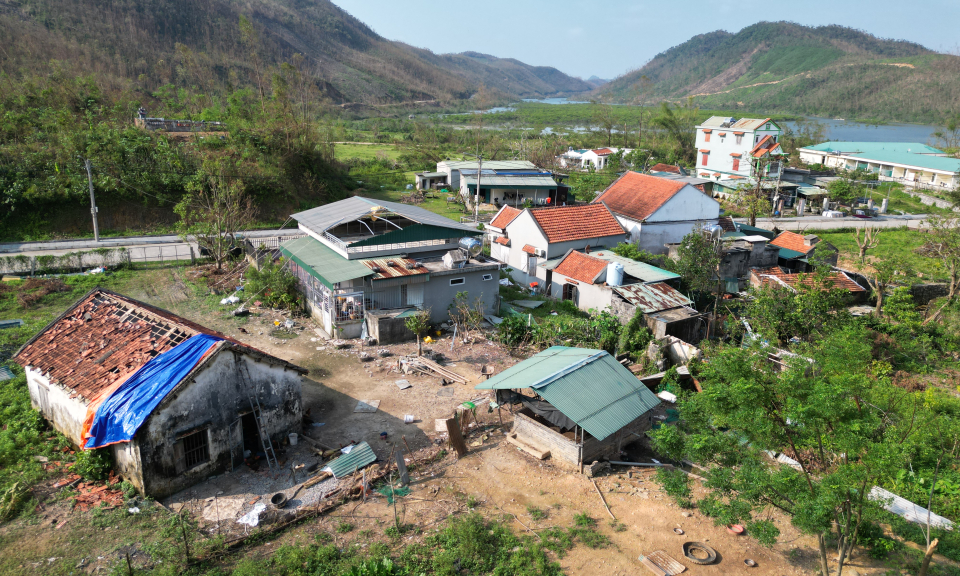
(5, 373)
(644, 272)
(323, 218)
(750, 123)
(588, 386)
(716, 121)
(393, 267)
(490, 164)
(532, 181)
(653, 297)
(431, 174)
(907, 509)
(361, 455)
(871, 147)
(322, 262)
(4, 324)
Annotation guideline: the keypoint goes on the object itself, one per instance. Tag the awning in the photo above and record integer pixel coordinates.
(322, 262)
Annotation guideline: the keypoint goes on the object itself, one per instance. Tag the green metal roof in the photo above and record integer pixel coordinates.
(912, 160)
(588, 386)
(322, 262)
(874, 147)
(787, 254)
(754, 231)
(645, 272)
(416, 233)
(510, 181)
(361, 455)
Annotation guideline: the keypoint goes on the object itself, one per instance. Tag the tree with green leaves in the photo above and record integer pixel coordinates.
(214, 210)
(419, 324)
(885, 272)
(847, 428)
(680, 123)
(753, 201)
(698, 263)
(807, 311)
(843, 190)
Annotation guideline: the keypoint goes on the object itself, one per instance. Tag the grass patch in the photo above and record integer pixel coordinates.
(584, 531)
(344, 527)
(365, 152)
(537, 513)
(894, 242)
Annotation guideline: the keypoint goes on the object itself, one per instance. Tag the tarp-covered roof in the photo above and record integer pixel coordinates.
(323, 218)
(588, 386)
(322, 262)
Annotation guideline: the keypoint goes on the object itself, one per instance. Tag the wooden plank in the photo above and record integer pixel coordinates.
(456, 439)
(652, 567)
(666, 563)
(402, 469)
(536, 453)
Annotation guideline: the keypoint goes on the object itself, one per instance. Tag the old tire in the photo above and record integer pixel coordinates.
(699, 553)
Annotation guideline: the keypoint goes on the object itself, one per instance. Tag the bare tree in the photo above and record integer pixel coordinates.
(215, 208)
(944, 246)
(250, 39)
(869, 241)
(641, 97)
(603, 114)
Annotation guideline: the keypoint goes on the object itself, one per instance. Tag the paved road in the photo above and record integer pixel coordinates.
(151, 243)
(822, 223)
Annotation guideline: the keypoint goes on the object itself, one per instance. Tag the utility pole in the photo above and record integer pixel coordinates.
(476, 200)
(93, 202)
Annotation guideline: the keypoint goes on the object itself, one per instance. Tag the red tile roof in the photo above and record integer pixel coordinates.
(580, 266)
(764, 146)
(505, 216)
(736, 154)
(529, 249)
(502, 240)
(791, 241)
(665, 168)
(566, 223)
(602, 151)
(637, 196)
(103, 339)
(838, 280)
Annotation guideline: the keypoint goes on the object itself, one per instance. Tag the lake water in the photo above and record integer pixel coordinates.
(837, 129)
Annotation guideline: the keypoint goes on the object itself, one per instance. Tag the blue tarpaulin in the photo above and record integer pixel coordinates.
(119, 416)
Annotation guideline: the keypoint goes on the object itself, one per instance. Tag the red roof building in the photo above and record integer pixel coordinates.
(504, 217)
(568, 223)
(581, 267)
(638, 196)
(776, 276)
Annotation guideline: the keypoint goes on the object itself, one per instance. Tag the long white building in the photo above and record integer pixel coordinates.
(909, 163)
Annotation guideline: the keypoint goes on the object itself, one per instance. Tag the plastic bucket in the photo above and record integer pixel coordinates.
(293, 439)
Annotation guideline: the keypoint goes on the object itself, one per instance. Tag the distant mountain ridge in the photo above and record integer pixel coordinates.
(346, 59)
(789, 68)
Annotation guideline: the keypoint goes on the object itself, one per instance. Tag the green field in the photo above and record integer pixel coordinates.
(894, 242)
(365, 151)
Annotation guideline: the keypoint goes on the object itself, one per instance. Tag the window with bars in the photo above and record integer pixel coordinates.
(192, 450)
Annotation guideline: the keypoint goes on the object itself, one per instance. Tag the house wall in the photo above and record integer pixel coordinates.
(719, 159)
(54, 402)
(387, 328)
(565, 451)
(590, 296)
(213, 399)
(671, 222)
(126, 458)
(438, 294)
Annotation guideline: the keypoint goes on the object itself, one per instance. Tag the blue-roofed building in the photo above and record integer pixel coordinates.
(909, 163)
(574, 405)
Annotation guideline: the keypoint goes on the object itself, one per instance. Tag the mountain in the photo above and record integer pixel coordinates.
(789, 68)
(153, 41)
(595, 81)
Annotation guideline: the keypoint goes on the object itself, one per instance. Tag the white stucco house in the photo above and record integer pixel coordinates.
(656, 211)
(598, 157)
(535, 235)
(726, 147)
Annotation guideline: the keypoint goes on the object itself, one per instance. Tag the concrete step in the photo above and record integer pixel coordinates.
(530, 449)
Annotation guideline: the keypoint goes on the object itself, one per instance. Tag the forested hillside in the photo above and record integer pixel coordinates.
(153, 40)
(785, 67)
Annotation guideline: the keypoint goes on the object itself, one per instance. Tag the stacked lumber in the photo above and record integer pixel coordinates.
(431, 368)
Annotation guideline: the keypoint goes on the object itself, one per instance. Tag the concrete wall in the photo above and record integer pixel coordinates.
(924, 293)
(438, 294)
(721, 147)
(590, 296)
(387, 329)
(565, 451)
(213, 400)
(65, 414)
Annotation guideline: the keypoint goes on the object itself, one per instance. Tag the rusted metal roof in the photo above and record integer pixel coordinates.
(653, 297)
(384, 268)
(104, 338)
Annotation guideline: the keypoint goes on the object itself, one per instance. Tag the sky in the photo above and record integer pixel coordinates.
(611, 37)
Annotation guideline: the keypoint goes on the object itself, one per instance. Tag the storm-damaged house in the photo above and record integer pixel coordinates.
(175, 402)
(365, 263)
(574, 405)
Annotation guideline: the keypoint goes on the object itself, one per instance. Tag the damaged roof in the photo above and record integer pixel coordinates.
(653, 297)
(776, 275)
(323, 218)
(588, 386)
(105, 337)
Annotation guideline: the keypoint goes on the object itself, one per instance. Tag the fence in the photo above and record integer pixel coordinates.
(78, 262)
(260, 251)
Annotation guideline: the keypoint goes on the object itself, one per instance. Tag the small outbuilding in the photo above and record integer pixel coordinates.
(175, 402)
(580, 405)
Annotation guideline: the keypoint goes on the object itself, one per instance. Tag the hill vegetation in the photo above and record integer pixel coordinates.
(151, 41)
(787, 68)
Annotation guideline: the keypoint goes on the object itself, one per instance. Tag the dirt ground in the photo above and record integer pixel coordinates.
(502, 479)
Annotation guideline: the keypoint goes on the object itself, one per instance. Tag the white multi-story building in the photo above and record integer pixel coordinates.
(727, 147)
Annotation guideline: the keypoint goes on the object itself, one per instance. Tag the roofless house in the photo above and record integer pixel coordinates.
(366, 263)
(575, 405)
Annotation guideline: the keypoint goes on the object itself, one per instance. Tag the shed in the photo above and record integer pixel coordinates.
(584, 404)
(173, 400)
(666, 310)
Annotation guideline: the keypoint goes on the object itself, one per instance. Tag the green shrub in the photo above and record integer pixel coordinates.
(94, 464)
(677, 486)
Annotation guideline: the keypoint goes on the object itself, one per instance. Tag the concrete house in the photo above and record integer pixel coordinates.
(657, 211)
(93, 366)
(598, 158)
(580, 405)
(727, 146)
(909, 163)
(740, 254)
(451, 169)
(797, 252)
(364, 264)
(536, 235)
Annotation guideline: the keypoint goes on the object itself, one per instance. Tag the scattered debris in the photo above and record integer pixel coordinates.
(699, 553)
(367, 406)
(428, 367)
(252, 518)
(403, 384)
(664, 562)
(352, 460)
(92, 495)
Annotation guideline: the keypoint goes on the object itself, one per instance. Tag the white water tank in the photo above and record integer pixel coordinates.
(614, 274)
